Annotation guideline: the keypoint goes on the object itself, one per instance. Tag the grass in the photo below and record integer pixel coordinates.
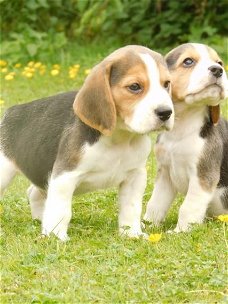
(96, 265)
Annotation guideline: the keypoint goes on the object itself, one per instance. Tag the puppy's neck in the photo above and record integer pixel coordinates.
(120, 134)
(190, 118)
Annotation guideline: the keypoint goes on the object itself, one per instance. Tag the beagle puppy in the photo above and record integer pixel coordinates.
(193, 157)
(94, 139)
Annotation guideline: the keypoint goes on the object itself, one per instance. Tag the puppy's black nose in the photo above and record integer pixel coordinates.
(163, 113)
(216, 70)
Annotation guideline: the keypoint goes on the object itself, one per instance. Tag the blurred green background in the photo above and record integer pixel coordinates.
(52, 29)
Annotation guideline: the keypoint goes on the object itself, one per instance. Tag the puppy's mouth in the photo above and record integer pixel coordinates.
(209, 86)
(165, 126)
(209, 95)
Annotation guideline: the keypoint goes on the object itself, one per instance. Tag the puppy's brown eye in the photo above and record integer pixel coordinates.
(167, 85)
(188, 62)
(135, 88)
(220, 63)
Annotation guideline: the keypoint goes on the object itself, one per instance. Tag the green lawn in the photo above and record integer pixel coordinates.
(96, 265)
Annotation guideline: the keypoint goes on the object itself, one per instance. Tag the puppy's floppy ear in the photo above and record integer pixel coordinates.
(94, 103)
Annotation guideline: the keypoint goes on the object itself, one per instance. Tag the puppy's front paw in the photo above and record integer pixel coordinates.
(147, 219)
(61, 234)
(152, 219)
(132, 233)
(173, 231)
(179, 229)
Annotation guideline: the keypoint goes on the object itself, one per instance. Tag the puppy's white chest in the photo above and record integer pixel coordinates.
(180, 157)
(106, 172)
(105, 166)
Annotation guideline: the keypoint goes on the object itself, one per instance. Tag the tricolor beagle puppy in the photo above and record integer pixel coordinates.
(193, 157)
(99, 139)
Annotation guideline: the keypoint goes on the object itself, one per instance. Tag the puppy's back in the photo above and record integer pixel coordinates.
(30, 134)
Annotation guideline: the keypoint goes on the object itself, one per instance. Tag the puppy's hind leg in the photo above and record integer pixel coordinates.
(219, 203)
(7, 172)
(37, 199)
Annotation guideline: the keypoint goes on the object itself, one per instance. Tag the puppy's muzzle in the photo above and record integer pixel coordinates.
(163, 113)
(216, 71)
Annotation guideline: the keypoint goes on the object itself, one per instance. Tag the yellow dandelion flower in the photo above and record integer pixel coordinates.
(37, 65)
(12, 73)
(73, 72)
(3, 63)
(54, 72)
(223, 217)
(4, 70)
(87, 71)
(56, 66)
(42, 71)
(17, 65)
(26, 69)
(154, 238)
(31, 64)
(226, 67)
(9, 77)
(28, 74)
(2, 102)
(72, 75)
(29, 69)
(77, 66)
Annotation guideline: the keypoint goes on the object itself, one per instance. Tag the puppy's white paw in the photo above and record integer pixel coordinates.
(61, 234)
(179, 229)
(173, 231)
(153, 220)
(132, 233)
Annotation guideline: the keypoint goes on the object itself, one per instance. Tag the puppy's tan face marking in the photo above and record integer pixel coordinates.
(179, 74)
(191, 67)
(129, 84)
